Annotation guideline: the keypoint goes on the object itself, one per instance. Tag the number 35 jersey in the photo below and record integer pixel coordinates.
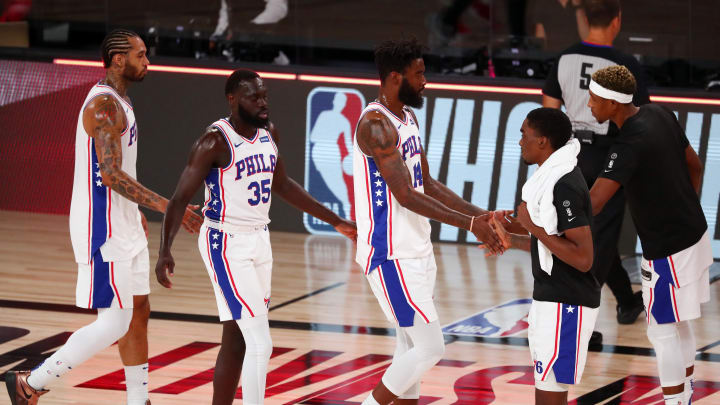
(386, 229)
(239, 193)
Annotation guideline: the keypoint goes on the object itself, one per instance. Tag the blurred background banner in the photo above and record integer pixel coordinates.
(471, 132)
(676, 41)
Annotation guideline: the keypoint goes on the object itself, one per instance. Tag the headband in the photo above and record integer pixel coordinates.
(603, 92)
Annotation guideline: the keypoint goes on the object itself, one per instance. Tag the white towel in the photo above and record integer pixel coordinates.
(537, 192)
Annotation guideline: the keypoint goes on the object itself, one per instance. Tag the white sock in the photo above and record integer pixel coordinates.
(370, 400)
(136, 381)
(111, 324)
(275, 10)
(223, 19)
(675, 399)
(689, 382)
(51, 369)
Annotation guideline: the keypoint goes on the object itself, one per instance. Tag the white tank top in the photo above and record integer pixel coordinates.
(239, 193)
(386, 229)
(99, 217)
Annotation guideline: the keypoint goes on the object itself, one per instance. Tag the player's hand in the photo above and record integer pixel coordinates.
(509, 222)
(523, 216)
(499, 228)
(143, 220)
(192, 221)
(164, 269)
(348, 229)
(496, 223)
(484, 232)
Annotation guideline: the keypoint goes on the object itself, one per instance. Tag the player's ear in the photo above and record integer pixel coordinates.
(119, 59)
(396, 77)
(543, 141)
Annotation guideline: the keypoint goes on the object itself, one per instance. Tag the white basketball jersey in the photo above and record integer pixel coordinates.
(99, 217)
(239, 194)
(386, 229)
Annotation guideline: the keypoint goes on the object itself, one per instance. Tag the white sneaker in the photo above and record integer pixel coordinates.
(275, 10)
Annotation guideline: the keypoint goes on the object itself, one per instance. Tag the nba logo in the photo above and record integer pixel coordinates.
(505, 319)
(332, 115)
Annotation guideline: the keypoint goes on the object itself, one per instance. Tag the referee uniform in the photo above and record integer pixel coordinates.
(569, 81)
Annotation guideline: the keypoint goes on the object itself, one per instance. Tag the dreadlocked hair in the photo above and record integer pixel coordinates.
(616, 78)
(117, 41)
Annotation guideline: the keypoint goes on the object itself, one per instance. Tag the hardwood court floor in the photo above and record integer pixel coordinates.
(331, 340)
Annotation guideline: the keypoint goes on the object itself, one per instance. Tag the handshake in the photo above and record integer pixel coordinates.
(494, 229)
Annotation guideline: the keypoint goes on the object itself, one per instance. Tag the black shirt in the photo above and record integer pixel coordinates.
(567, 284)
(559, 23)
(569, 81)
(648, 159)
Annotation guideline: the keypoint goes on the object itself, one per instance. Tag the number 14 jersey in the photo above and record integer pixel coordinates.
(386, 229)
(239, 193)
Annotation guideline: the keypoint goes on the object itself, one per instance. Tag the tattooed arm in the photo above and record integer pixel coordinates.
(443, 193)
(105, 121)
(377, 138)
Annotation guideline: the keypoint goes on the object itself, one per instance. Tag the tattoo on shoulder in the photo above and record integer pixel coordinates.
(107, 116)
(376, 135)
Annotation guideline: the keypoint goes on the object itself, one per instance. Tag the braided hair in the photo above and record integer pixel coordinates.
(117, 41)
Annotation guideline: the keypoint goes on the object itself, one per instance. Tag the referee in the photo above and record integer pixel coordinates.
(568, 84)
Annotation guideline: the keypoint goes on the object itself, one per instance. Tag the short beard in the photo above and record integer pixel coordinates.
(409, 96)
(133, 75)
(253, 120)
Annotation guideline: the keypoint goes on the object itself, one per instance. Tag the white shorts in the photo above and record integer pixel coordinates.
(558, 335)
(665, 303)
(674, 287)
(240, 269)
(404, 287)
(102, 284)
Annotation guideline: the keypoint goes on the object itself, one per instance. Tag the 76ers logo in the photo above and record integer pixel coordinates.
(132, 138)
(332, 115)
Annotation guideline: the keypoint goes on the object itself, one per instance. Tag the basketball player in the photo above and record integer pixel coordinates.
(394, 196)
(107, 230)
(661, 174)
(556, 211)
(568, 84)
(238, 161)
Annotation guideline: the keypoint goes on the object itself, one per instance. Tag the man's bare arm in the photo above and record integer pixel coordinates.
(378, 138)
(444, 194)
(602, 190)
(295, 195)
(209, 151)
(551, 102)
(575, 247)
(105, 121)
(695, 167)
